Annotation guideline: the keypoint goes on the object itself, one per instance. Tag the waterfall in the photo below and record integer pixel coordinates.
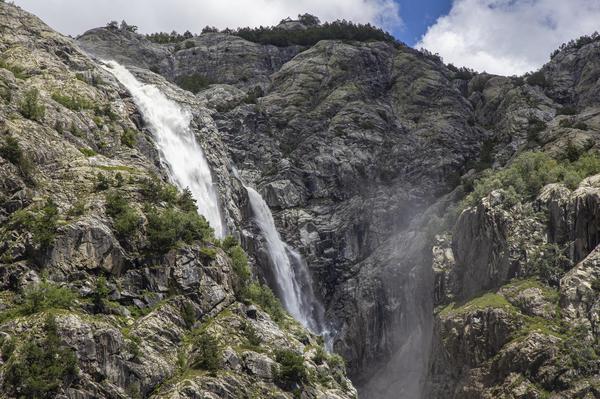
(178, 148)
(292, 277)
(293, 281)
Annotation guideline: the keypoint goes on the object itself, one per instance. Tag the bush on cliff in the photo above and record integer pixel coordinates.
(529, 172)
(167, 227)
(40, 368)
(30, 107)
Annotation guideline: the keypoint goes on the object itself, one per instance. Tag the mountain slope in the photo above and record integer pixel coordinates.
(97, 298)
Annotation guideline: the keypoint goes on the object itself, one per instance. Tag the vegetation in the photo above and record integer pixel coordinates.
(566, 110)
(16, 70)
(242, 272)
(12, 152)
(100, 295)
(88, 152)
(40, 297)
(531, 171)
(254, 340)
(41, 367)
(207, 352)
(72, 102)
(549, 263)
(30, 107)
(42, 223)
(102, 182)
(125, 219)
(165, 38)
(264, 297)
(129, 138)
(188, 312)
(463, 73)
(337, 30)
(577, 43)
(536, 79)
(193, 83)
(166, 228)
(155, 191)
(291, 370)
(487, 300)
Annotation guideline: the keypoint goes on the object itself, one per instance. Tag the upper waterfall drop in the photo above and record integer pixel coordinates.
(185, 159)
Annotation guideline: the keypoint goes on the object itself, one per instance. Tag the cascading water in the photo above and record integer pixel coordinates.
(293, 280)
(294, 284)
(170, 125)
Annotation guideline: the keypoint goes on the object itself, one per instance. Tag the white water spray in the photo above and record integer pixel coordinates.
(170, 125)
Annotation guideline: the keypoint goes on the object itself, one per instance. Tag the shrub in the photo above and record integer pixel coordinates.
(119, 179)
(72, 102)
(228, 242)
(105, 110)
(42, 224)
(264, 297)
(242, 272)
(566, 110)
(291, 370)
(129, 138)
(536, 126)
(168, 227)
(125, 219)
(250, 334)
(45, 296)
(207, 351)
(188, 313)
(12, 152)
(154, 191)
(100, 295)
(193, 83)
(77, 209)
(549, 263)
(189, 44)
(30, 107)
(208, 253)
(41, 367)
(186, 201)
(537, 79)
(566, 123)
(320, 355)
(529, 172)
(102, 182)
(17, 70)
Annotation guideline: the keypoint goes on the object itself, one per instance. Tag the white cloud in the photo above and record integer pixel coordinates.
(76, 16)
(509, 36)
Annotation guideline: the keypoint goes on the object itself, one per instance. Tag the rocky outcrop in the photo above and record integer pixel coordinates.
(212, 57)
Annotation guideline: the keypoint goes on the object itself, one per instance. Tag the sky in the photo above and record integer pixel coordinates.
(505, 37)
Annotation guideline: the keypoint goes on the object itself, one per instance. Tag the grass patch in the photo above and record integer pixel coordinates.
(74, 103)
(485, 301)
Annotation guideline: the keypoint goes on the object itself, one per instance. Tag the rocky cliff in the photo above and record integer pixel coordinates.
(112, 286)
(349, 144)
(448, 218)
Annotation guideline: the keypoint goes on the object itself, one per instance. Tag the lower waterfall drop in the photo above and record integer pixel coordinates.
(179, 150)
(294, 283)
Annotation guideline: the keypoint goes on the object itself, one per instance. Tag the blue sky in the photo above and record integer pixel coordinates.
(417, 16)
(505, 37)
